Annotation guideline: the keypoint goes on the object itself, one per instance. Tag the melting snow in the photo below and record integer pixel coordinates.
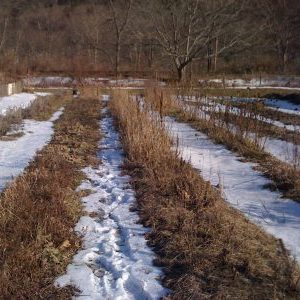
(242, 186)
(210, 105)
(279, 82)
(15, 155)
(115, 262)
(22, 100)
(285, 151)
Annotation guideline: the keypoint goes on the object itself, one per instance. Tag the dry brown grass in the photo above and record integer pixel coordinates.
(11, 120)
(41, 109)
(208, 250)
(267, 112)
(284, 176)
(241, 93)
(39, 210)
(249, 119)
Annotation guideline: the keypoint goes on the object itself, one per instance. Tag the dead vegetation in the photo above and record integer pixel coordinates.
(10, 121)
(285, 177)
(207, 249)
(267, 112)
(39, 210)
(246, 117)
(43, 107)
(40, 109)
(241, 92)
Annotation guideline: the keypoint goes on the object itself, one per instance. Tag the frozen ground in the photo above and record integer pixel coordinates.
(283, 150)
(22, 100)
(15, 155)
(243, 187)
(280, 105)
(115, 262)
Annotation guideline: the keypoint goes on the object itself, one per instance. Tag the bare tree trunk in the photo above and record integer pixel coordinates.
(209, 53)
(285, 58)
(117, 58)
(3, 38)
(216, 54)
(120, 25)
(137, 57)
(179, 74)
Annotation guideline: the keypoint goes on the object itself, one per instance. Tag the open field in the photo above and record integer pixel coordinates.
(190, 180)
(150, 150)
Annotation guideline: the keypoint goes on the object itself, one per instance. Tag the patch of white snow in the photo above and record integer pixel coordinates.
(15, 155)
(115, 262)
(242, 186)
(16, 101)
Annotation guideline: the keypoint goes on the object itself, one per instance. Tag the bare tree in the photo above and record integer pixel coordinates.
(185, 29)
(91, 31)
(3, 31)
(120, 15)
(282, 22)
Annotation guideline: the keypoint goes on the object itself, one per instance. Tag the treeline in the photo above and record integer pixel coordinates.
(179, 38)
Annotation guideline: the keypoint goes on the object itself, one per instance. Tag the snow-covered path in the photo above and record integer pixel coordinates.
(115, 262)
(22, 100)
(15, 155)
(242, 186)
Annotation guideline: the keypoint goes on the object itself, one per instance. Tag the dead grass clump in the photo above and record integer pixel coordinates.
(10, 120)
(43, 107)
(207, 249)
(40, 209)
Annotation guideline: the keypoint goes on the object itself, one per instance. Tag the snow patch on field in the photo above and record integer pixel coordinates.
(285, 151)
(265, 88)
(15, 155)
(282, 82)
(115, 262)
(47, 81)
(242, 186)
(56, 81)
(284, 106)
(22, 100)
